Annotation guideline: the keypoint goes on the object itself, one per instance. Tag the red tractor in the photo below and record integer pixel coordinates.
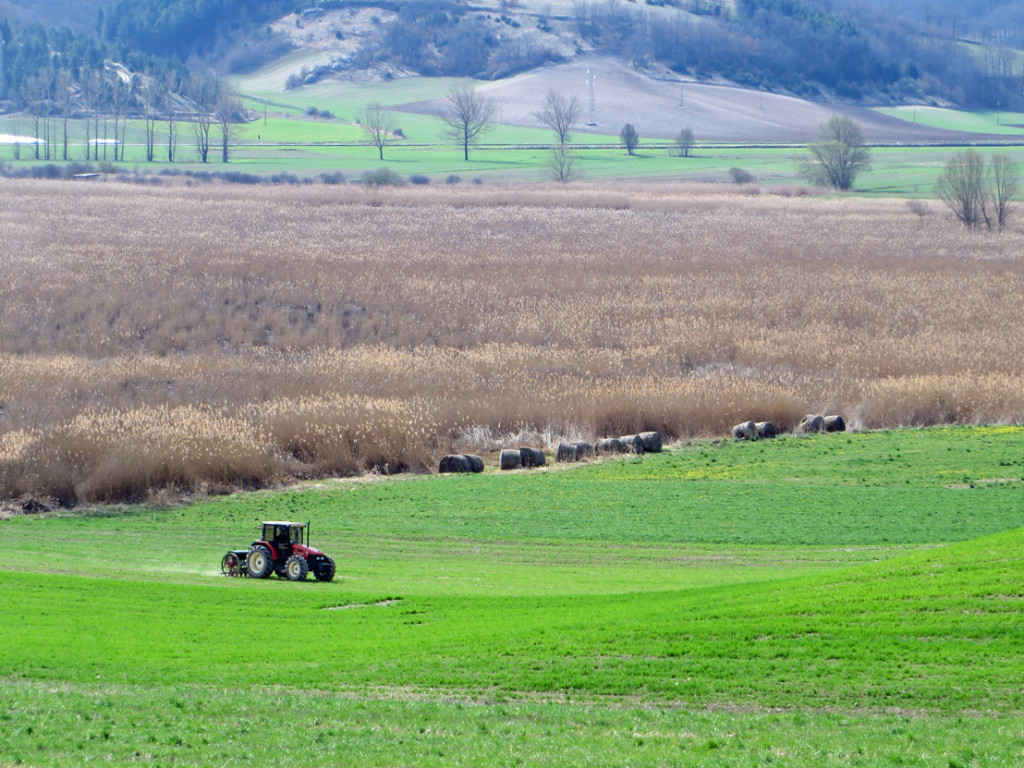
(284, 550)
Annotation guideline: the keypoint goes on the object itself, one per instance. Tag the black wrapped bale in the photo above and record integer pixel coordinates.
(567, 452)
(510, 459)
(609, 445)
(651, 441)
(745, 431)
(766, 430)
(461, 462)
(584, 450)
(633, 443)
(812, 423)
(835, 424)
(531, 457)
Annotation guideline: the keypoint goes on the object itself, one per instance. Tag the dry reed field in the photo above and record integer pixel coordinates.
(205, 339)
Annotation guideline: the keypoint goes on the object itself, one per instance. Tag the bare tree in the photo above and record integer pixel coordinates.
(226, 111)
(378, 124)
(467, 115)
(91, 84)
(684, 143)
(559, 114)
(978, 196)
(562, 163)
(147, 92)
(203, 92)
(65, 103)
(118, 107)
(961, 187)
(840, 155)
(170, 107)
(629, 138)
(1004, 183)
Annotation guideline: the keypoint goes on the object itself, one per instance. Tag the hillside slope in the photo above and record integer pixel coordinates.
(660, 108)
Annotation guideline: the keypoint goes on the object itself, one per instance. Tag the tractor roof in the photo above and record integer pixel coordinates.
(280, 522)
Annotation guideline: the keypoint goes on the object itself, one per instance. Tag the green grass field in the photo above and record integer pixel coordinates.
(837, 600)
(999, 124)
(284, 139)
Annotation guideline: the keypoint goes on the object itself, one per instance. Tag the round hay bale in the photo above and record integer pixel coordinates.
(835, 424)
(766, 430)
(454, 462)
(531, 457)
(745, 431)
(651, 441)
(812, 423)
(609, 445)
(633, 443)
(567, 452)
(584, 450)
(510, 459)
(476, 464)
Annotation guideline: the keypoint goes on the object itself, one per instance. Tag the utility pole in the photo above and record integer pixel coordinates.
(590, 88)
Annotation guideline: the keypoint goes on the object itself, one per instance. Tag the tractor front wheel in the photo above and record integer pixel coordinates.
(325, 570)
(296, 568)
(259, 563)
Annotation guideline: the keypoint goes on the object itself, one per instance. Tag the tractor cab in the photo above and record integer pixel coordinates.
(283, 536)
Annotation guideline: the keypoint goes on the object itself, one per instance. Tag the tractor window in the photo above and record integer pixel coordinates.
(296, 535)
(281, 535)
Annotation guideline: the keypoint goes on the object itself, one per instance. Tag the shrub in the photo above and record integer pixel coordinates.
(740, 176)
(419, 178)
(453, 178)
(383, 177)
(335, 177)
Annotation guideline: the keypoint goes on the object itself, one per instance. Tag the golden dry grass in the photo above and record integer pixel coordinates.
(204, 338)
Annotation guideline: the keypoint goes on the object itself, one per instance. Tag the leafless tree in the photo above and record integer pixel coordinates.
(118, 108)
(203, 92)
(65, 103)
(378, 124)
(840, 155)
(89, 85)
(147, 94)
(684, 143)
(559, 114)
(226, 111)
(170, 108)
(467, 115)
(1004, 183)
(961, 186)
(562, 163)
(978, 195)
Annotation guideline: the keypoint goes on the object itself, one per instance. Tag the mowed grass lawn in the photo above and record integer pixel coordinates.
(848, 599)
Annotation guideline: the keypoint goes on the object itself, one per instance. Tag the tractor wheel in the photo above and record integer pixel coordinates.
(296, 568)
(231, 565)
(325, 571)
(259, 563)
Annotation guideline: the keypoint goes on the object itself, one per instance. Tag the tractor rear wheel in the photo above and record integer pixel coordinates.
(259, 563)
(296, 568)
(325, 570)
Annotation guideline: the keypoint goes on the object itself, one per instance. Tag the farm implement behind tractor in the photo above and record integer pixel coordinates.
(284, 550)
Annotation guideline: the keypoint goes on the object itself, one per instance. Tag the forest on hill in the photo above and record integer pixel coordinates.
(835, 50)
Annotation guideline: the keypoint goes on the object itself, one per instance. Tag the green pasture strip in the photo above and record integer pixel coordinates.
(870, 489)
(66, 725)
(308, 147)
(710, 512)
(987, 121)
(131, 549)
(938, 630)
